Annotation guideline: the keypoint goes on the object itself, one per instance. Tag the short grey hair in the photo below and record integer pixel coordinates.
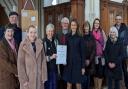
(49, 27)
(113, 29)
(118, 17)
(65, 19)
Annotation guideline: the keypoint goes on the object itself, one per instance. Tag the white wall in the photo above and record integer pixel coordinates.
(47, 3)
(117, 0)
(92, 10)
(63, 1)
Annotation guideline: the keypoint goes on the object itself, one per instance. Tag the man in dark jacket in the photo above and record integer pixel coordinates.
(13, 19)
(123, 35)
(62, 38)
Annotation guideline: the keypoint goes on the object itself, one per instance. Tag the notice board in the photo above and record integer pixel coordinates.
(28, 17)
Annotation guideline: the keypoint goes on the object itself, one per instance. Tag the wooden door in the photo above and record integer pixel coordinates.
(114, 9)
(54, 14)
(109, 10)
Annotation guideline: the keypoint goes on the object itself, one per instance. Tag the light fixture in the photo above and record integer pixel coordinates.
(54, 2)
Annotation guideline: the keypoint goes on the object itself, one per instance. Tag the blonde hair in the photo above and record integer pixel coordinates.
(113, 29)
(31, 26)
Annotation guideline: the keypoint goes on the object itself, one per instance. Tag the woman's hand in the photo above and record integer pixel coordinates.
(25, 84)
(16, 75)
(112, 65)
(87, 62)
(83, 71)
(54, 56)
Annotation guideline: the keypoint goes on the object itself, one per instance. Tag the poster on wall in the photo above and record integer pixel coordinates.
(29, 17)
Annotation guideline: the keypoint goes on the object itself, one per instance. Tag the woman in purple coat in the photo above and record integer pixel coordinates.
(100, 39)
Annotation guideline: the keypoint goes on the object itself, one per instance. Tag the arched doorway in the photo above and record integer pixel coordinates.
(3, 16)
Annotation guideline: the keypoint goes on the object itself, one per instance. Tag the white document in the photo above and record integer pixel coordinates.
(25, 14)
(61, 54)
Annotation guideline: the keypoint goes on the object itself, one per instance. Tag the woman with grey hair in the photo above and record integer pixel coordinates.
(62, 36)
(113, 59)
(50, 44)
(65, 20)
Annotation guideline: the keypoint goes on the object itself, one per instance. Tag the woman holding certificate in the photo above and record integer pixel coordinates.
(50, 44)
(75, 62)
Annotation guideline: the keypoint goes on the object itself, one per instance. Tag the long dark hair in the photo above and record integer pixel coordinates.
(77, 30)
(86, 23)
(99, 24)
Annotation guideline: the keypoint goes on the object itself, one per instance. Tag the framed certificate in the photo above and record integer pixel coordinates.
(61, 54)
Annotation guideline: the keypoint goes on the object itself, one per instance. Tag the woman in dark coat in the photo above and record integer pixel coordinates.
(50, 44)
(75, 62)
(113, 56)
(90, 49)
(8, 60)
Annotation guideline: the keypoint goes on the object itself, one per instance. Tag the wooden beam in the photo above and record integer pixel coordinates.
(77, 10)
(104, 15)
(125, 11)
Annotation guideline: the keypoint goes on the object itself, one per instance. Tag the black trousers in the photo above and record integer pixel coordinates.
(125, 72)
(61, 83)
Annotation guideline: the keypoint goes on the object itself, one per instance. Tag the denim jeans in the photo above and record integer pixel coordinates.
(51, 83)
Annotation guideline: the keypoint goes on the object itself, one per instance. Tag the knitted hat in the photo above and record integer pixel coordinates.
(13, 13)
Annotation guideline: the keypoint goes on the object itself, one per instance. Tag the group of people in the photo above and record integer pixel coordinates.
(91, 56)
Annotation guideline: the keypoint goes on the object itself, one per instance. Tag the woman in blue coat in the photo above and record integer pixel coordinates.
(75, 62)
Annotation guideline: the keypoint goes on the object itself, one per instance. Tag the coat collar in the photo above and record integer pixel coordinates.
(9, 49)
(7, 44)
(28, 47)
